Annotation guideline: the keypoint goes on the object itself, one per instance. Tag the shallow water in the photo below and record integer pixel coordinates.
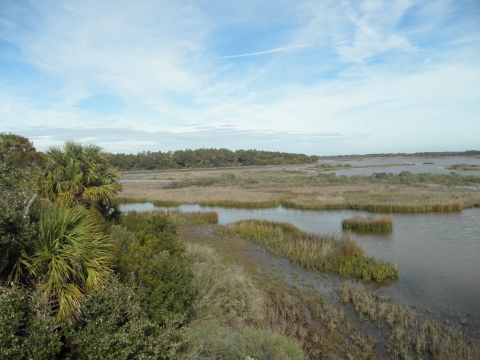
(438, 254)
(416, 165)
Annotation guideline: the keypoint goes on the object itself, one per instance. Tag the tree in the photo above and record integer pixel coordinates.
(20, 149)
(17, 222)
(78, 174)
(71, 257)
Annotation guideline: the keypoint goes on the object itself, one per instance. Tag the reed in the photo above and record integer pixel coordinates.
(193, 218)
(262, 189)
(360, 223)
(240, 204)
(462, 167)
(322, 253)
(408, 335)
(129, 200)
(166, 203)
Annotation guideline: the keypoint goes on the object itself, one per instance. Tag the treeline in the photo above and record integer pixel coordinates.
(204, 158)
(417, 154)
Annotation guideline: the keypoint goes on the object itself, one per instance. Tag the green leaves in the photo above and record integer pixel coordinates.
(72, 256)
(78, 174)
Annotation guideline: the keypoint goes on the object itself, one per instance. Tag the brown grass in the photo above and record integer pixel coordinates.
(293, 189)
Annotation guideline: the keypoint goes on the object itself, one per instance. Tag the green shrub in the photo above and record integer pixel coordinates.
(114, 326)
(27, 329)
(156, 259)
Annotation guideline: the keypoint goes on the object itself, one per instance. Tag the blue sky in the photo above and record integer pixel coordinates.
(317, 77)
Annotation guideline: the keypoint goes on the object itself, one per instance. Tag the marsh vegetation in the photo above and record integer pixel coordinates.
(299, 190)
(359, 223)
(321, 253)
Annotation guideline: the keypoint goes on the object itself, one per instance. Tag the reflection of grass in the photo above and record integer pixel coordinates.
(323, 253)
(408, 337)
(383, 223)
(462, 167)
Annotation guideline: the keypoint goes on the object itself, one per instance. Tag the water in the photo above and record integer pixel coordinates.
(416, 165)
(438, 254)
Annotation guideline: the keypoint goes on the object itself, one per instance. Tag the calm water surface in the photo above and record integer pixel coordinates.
(438, 254)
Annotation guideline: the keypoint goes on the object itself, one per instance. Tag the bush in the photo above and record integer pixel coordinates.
(27, 331)
(155, 258)
(115, 327)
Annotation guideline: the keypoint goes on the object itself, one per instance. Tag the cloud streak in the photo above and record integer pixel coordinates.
(272, 51)
(387, 76)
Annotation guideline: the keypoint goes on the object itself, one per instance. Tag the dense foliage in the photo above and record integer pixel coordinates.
(204, 158)
(17, 225)
(78, 174)
(71, 257)
(156, 260)
(20, 149)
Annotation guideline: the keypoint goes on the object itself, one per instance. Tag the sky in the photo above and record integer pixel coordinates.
(314, 77)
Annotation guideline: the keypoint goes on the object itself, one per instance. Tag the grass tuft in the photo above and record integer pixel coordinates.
(359, 223)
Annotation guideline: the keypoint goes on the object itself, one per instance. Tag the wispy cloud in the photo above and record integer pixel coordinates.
(272, 51)
(370, 71)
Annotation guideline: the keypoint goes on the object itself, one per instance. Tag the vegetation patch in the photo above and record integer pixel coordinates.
(193, 218)
(360, 223)
(322, 253)
(462, 167)
(408, 335)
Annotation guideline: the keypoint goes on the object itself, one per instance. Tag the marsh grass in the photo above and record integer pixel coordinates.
(231, 308)
(294, 189)
(241, 204)
(360, 223)
(322, 253)
(408, 335)
(233, 318)
(462, 167)
(193, 218)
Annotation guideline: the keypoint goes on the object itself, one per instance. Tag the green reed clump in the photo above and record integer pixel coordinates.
(241, 204)
(319, 252)
(194, 217)
(127, 200)
(360, 223)
(462, 167)
(166, 203)
(445, 207)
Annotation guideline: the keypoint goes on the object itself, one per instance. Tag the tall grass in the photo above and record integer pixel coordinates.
(241, 204)
(193, 218)
(360, 223)
(322, 253)
(407, 335)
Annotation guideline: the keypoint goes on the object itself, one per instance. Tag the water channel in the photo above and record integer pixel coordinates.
(438, 254)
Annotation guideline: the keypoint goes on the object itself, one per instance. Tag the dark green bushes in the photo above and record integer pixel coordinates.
(114, 326)
(27, 331)
(156, 260)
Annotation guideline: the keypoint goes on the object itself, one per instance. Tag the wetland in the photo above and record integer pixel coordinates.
(434, 241)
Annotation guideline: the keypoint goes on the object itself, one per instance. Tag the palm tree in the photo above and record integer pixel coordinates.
(78, 174)
(71, 257)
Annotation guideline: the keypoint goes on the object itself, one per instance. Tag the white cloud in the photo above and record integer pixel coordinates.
(373, 72)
